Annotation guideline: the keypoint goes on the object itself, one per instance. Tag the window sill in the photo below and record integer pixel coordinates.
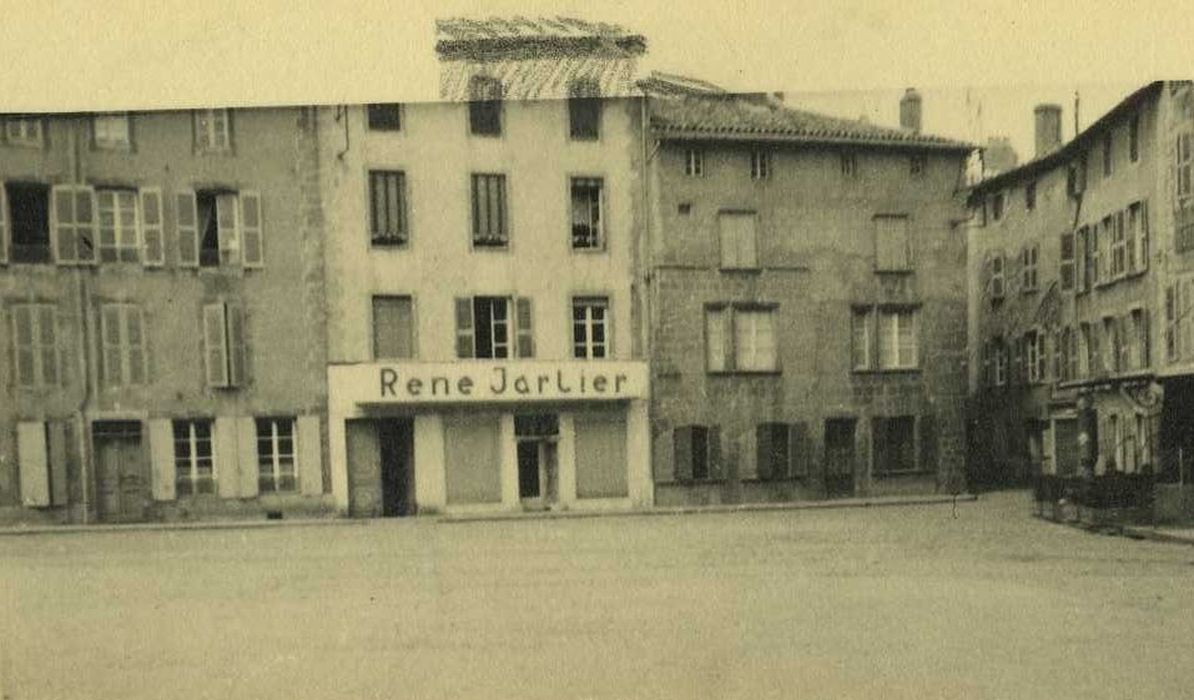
(710, 481)
(894, 271)
(590, 250)
(903, 474)
(887, 370)
(742, 270)
(387, 245)
(491, 247)
(745, 373)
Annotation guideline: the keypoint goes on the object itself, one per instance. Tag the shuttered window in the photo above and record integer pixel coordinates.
(489, 210)
(894, 444)
(485, 329)
(218, 227)
(584, 110)
(35, 344)
(393, 327)
(892, 247)
(122, 328)
(213, 130)
(590, 328)
(738, 237)
(588, 194)
(1066, 272)
(697, 453)
(387, 207)
(898, 343)
(111, 130)
(275, 455)
(118, 226)
(194, 461)
(740, 339)
(224, 345)
(781, 450)
(73, 214)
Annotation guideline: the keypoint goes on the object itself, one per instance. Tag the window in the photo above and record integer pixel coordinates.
(1185, 187)
(1030, 196)
(590, 328)
(738, 239)
(1119, 250)
(779, 452)
(1035, 356)
(1138, 237)
(892, 248)
(1107, 165)
(213, 130)
(760, 164)
(35, 341)
(1172, 322)
(1111, 346)
(694, 162)
(122, 330)
(1067, 261)
(224, 345)
(917, 164)
(23, 131)
(584, 110)
(111, 131)
(73, 218)
(28, 221)
(384, 116)
(1059, 354)
(997, 282)
(387, 207)
(1073, 358)
(1134, 138)
(275, 455)
(393, 327)
(489, 211)
(1090, 340)
(588, 195)
(849, 165)
(1076, 177)
(998, 362)
(219, 227)
(740, 339)
(997, 206)
(485, 106)
(894, 441)
(897, 339)
(862, 324)
(118, 229)
(696, 452)
(1028, 264)
(483, 327)
(193, 462)
(1140, 351)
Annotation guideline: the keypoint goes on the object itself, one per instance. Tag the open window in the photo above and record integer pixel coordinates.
(28, 221)
(219, 227)
(485, 106)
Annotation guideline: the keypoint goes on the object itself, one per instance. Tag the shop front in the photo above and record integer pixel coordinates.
(479, 436)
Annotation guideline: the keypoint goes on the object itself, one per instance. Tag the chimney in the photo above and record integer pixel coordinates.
(910, 110)
(1048, 128)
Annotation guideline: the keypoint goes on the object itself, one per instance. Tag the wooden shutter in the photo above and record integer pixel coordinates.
(763, 451)
(161, 457)
(526, 333)
(215, 345)
(1142, 258)
(237, 354)
(111, 329)
(310, 455)
(682, 453)
(187, 226)
(3, 224)
(56, 431)
(228, 228)
(62, 224)
(714, 452)
(152, 239)
(1146, 340)
(879, 456)
(33, 464)
(928, 443)
(799, 449)
(85, 225)
(224, 452)
(252, 238)
(246, 455)
(1129, 228)
(465, 332)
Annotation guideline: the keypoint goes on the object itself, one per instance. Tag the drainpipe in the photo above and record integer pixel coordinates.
(84, 343)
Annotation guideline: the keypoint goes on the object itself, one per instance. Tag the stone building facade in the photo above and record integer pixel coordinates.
(807, 301)
(161, 279)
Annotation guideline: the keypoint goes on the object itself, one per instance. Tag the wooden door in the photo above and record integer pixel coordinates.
(122, 474)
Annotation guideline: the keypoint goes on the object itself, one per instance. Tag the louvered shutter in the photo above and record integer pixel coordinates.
(1142, 258)
(526, 332)
(187, 228)
(465, 332)
(152, 241)
(246, 456)
(62, 224)
(928, 443)
(879, 456)
(110, 335)
(3, 224)
(799, 450)
(763, 448)
(228, 228)
(33, 464)
(56, 433)
(682, 453)
(224, 450)
(161, 457)
(1146, 340)
(85, 225)
(237, 354)
(310, 455)
(716, 457)
(215, 345)
(252, 230)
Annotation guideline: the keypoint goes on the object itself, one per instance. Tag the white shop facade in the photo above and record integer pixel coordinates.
(488, 435)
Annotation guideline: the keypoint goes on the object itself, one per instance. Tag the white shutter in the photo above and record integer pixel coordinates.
(310, 455)
(738, 239)
(187, 227)
(33, 464)
(62, 224)
(228, 228)
(85, 225)
(225, 450)
(715, 339)
(3, 224)
(252, 236)
(152, 240)
(111, 328)
(215, 345)
(161, 457)
(56, 436)
(246, 450)
(236, 345)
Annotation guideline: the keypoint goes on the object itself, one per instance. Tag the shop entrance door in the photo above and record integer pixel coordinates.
(120, 471)
(839, 457)
(396, 438)
(537, 436)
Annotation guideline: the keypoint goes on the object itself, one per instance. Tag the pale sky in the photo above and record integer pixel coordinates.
(846, 57)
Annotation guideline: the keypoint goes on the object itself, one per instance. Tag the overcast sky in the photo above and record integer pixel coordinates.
(847, 57)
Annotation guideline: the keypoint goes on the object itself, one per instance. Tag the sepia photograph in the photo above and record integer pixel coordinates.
(550, 349)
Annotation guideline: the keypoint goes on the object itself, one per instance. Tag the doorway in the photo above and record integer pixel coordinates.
(537, 437)
(839, 457)
(121, 473)
(396, 444)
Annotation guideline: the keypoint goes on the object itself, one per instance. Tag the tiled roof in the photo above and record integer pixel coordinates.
(759, 117)
(518, 27)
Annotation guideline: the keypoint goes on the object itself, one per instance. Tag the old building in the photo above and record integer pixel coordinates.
(1081, 290)
(484, 336)
(161, 293)
(807, 300)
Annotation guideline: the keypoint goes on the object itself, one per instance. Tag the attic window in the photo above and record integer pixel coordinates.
(584, 110)
(849, 165)
(485, 106)
(760, 164)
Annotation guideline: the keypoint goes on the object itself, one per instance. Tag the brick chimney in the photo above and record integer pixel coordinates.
(1048, 128)
(910, 110)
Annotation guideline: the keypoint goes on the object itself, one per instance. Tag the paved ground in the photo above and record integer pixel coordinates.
(906, 602)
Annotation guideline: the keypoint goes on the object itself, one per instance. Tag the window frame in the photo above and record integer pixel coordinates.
(906, 233)
(401, 238)
(21, 136)
(584, 94)
(597, 233)
(40, 352)
(206, 132)
(491, 104)
(190, 462)
(122, 344)
(412, 331)
(1029, 272)
(118, 248)
(589, 303)
(106, 143)
(731, 363)
(694, 162)
(502, 240)
(738, 263)
(274, 458)
(760, 164)
(376, 120)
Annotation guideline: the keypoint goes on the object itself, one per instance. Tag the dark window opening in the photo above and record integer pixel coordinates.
(385, 117)
(485, 106)
(700, 452)
(586, 212)
(584, 110)
(492, 318)
(209, 230)
(894, 440)
(29, 206)
(489, 211)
